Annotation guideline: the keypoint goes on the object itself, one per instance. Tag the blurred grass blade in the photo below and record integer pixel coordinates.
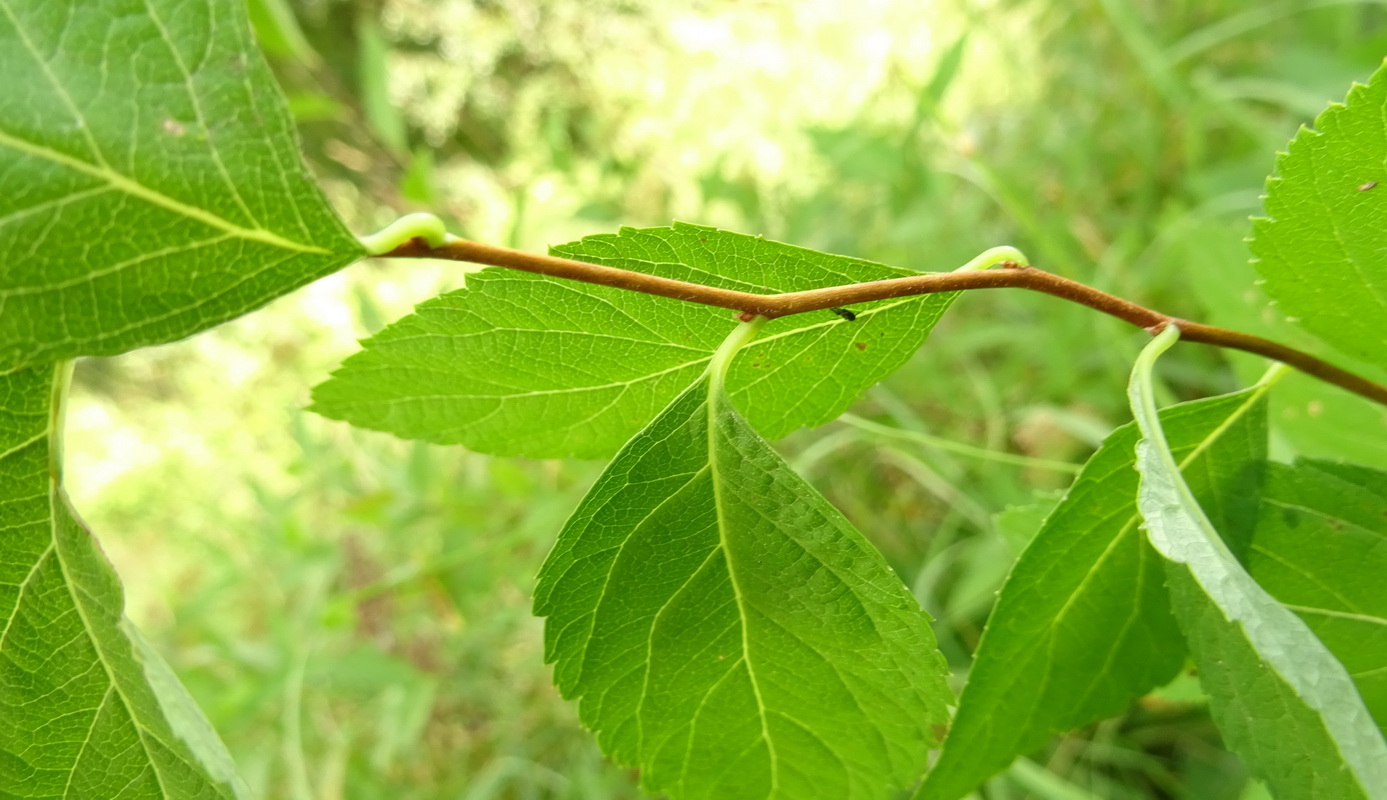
(1232, 26)
(373, 71)
(1136, 32)
(418, 184)
(1280, 698)
(87, 709)
(279, 33)
(1320, 246)
(1044, 784)
(1087, 597)
(960, 448)
(728, 631)
(586, 367)
(931, 95)
(1320, 547)
(150, 178)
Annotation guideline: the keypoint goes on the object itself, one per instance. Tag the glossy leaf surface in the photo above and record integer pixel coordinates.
(1280, 698)
(727, 631)
(517, 364)
(150, 180)
(87, 710)
(1082, 625)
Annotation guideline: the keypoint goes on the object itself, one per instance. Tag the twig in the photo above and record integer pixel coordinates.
(1011, 275)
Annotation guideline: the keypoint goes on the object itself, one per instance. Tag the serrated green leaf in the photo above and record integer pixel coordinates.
(87, 709)
(1279, 697)
(1082, 625)
(585, 367)
(1320, 249)
(150, 180)
(727, 631)
(1320, 547)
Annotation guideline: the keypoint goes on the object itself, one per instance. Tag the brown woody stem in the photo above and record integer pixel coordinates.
(1011, 275)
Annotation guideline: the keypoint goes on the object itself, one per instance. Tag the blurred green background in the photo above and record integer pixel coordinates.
(353, 611)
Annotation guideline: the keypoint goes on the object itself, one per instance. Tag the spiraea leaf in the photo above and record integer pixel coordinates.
(727, 631)
(518, 364)
(87, 709)
(1083, 626)
(1280, 698)
(1320, 246)
(150, 179)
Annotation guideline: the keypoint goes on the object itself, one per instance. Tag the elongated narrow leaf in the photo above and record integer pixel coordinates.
(1320, 249)
(517, 364)
(150, 180)
(1280, 698)
(87, 710)
(728, 632)
(1083, 625)
(1321, 548)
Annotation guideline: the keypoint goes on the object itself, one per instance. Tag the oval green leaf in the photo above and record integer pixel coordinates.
(1320, 247)
(728, 632)
(150, 179)
(518, 364)
(87, 709)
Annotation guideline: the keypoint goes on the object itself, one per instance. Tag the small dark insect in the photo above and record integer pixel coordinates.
(845, 314)
(1365, 187)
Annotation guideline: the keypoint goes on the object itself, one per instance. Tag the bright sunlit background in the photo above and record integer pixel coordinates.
(353, 610)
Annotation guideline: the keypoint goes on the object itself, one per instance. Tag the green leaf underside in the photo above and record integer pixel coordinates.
(150, 180)
(1082, 625)
(518, 364)
(1320, 249)
(1279, 697)
(727, 631)
(1321, 548)
(87, 710)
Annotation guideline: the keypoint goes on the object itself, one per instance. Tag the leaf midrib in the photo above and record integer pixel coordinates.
(715, 393)
(56, 498)
(116, 180)
(197, 108)
(113, 684)
(131, 187)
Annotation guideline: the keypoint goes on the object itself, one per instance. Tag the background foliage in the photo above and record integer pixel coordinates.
(1120, 143)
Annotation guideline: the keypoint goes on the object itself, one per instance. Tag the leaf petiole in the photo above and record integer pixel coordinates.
(736, 340)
